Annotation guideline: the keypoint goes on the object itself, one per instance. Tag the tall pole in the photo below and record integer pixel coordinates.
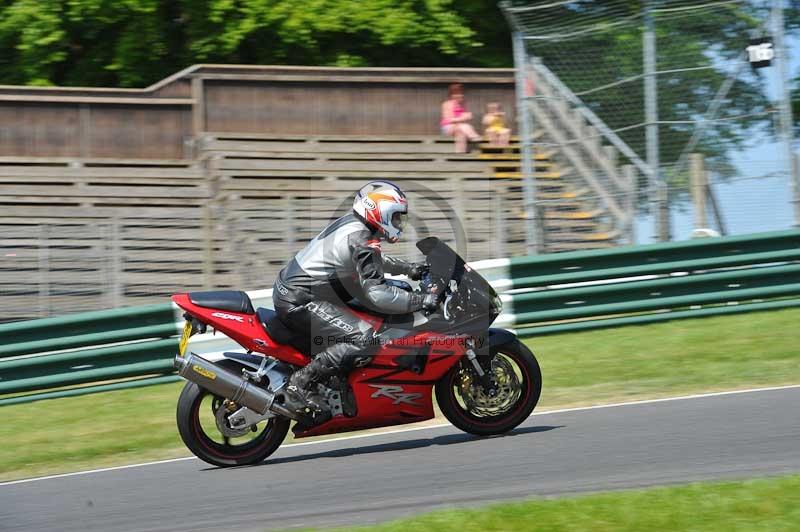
(658, 188)
(786, 120)
(524, 121)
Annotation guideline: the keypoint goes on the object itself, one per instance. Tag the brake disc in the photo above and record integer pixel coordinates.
(221, 418)
(507, 388)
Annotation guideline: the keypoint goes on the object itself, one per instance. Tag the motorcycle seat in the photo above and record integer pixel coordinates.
(275, 327)
(232, 300)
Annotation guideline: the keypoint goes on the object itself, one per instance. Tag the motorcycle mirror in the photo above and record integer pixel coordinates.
(426, 245)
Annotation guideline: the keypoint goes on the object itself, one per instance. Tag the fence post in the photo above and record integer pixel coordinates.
(657, 186)
(44, 270)
(697, 178)
(116, 287)
(500, 232)
(786, 119)
(532, 243)
(208, 247)
(711, 196)
(630, 201)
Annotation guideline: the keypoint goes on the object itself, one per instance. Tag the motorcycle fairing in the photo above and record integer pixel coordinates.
(387, 392)
(243, 328)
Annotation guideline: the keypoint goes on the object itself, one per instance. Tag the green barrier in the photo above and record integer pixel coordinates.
(645, 292)
(57, 380)
(700, 249)
(106, 337)
(85, 390)
(23, 368)
(658, 304)
(645, 319)
(26, 333)
(85, 348)
(658, 268)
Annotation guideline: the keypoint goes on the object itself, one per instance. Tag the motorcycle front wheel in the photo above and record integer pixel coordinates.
(466, 404)
(197, 415)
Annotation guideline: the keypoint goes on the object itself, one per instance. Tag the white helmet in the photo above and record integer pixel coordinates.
(383, 207)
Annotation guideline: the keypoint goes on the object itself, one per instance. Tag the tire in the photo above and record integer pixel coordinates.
(194, 432)
(449, 391)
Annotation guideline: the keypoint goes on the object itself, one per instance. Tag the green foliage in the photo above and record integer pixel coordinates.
(136, 42)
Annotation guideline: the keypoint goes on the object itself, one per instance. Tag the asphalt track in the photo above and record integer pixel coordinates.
(371, 479)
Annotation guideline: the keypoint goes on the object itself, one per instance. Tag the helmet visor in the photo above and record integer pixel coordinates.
(399, 220)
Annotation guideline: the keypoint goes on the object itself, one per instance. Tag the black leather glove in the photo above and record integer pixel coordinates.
(416, 270)
(430, 303)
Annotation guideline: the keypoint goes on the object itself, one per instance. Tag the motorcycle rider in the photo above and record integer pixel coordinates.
(345, 262)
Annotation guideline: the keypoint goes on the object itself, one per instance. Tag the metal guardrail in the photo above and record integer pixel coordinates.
(647, 284)
(91, 347)
(565, 292)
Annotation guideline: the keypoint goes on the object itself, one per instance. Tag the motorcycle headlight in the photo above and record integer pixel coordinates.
(497, 303)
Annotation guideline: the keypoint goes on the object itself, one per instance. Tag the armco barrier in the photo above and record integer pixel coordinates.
(545, 294)
(85, 348)
(647, 284)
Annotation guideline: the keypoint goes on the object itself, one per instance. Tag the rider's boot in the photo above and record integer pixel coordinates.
(302, 388)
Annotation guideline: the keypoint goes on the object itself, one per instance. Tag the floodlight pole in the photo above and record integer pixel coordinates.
(658, 187)
(786, 119)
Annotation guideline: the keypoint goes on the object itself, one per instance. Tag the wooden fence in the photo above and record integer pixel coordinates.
(165, 119)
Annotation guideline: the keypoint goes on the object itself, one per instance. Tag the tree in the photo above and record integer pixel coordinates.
(136, 42)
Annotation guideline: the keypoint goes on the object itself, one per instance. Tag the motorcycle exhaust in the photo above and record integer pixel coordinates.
(228, 384)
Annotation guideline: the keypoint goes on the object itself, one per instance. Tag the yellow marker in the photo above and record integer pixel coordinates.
(187, 333)
(204, 372)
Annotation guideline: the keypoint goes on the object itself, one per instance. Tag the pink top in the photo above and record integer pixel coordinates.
(458, 110)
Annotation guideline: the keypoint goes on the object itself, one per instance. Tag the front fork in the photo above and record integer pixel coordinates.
(485, 377)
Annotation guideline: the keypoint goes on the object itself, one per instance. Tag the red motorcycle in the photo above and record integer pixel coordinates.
(232, 411)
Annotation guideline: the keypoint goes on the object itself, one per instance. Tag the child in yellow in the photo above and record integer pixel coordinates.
(494, 121)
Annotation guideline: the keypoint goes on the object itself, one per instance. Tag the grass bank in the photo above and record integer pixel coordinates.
(591, 367)
(757, 505)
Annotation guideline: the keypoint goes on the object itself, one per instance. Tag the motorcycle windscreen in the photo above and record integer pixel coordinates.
(474, 293)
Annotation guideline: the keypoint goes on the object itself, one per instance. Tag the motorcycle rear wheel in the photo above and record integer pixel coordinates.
(200, 434)
(460, 409)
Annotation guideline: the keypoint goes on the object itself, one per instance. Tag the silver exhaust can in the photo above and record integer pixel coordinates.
(223, 382)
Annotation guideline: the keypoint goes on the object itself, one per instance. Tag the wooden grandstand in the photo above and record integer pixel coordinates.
(207, 179)
(90, 233)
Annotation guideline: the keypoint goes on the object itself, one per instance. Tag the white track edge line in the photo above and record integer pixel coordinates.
(412, 429)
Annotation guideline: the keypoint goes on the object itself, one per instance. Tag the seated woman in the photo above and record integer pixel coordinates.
(496, 131)
(455, 119)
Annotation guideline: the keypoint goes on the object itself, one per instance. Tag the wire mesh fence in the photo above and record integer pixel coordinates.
(615, 84)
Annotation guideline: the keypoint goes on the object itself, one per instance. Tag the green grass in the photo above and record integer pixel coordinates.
(687, 356)
(758, 505)
(591, 367)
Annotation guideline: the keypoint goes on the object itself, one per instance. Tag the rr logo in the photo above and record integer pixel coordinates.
(396, 394)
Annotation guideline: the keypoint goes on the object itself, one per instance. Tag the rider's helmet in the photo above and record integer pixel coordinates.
(383, 207)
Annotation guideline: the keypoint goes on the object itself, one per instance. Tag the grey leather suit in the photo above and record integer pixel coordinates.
(342, 263)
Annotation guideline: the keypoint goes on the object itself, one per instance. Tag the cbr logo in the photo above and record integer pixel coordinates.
(396, 394)
(228, 317)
